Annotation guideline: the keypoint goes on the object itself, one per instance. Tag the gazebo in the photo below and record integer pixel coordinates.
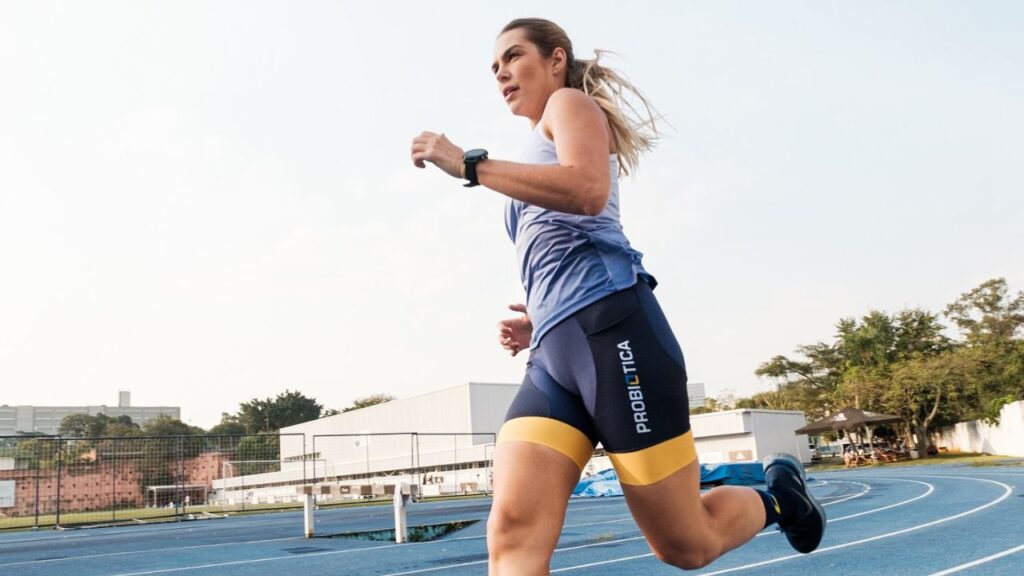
(850, 418)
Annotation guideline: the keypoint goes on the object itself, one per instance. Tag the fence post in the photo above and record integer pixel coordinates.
(180, 500)
(113, 481)
(419, 465)
(412, 463)
(60, 441)
(38, 466)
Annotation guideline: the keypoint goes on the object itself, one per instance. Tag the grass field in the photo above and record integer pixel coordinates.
(954, 458)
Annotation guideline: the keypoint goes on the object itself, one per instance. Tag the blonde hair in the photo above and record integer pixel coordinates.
(633, 130)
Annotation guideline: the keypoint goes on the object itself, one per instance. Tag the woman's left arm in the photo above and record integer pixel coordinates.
(578, 184)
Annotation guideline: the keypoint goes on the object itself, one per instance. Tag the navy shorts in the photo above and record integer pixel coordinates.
(611, 373)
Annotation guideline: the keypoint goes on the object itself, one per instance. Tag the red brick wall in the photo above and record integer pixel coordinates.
(98, 486)
(205, 468)
(97, 489)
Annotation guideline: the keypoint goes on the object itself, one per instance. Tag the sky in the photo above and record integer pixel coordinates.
(210, 202)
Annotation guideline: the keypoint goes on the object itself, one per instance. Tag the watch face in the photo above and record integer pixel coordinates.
(475, 155)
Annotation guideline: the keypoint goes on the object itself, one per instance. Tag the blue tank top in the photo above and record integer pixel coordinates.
(568, 261)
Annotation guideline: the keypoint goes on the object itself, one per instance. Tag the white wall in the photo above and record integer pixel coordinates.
(446, 410)
(733, 435)
(732, 448)
(1004, 439)
(489, 404)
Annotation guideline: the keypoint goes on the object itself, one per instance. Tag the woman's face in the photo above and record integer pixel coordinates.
(525, 78)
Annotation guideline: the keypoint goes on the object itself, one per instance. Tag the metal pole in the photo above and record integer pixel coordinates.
(180, 504)
(113, 484)
(243, 486)
(38, 466)
(401, 530)
(315, 477)
(60, 441)
(419, 466)
(308, 513)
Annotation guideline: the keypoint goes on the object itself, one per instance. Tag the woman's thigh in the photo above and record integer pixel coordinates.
(532, 484)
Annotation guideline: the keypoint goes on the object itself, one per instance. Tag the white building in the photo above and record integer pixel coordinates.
(441, 441)
(47, 419)
(749, 435)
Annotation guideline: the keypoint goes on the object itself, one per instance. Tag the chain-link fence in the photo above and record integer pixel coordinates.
(359, 466)
(53, 481)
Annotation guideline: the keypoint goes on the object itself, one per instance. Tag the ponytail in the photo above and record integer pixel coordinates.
(633, 131)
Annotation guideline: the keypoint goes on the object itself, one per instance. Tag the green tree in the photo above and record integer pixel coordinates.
(368, 401)
(228, 426)
(809, 385)
(927, 391)
(782, 398)
(165, 425)
(81, 426)
(986, 314)
(991, 322)
(121, 426)
(86, 426)
(287, 409)
(258, 454)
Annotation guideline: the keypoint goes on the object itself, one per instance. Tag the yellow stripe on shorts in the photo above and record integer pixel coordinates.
(548, 432)
(655, 463)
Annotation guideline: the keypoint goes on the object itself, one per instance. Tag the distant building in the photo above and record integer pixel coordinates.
(695, 394)
(47, 419)
(748, 435)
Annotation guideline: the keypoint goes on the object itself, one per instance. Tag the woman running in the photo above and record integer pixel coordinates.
(604, 365)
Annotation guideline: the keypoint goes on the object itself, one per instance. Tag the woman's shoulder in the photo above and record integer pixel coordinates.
(566, 100)
(571, 104)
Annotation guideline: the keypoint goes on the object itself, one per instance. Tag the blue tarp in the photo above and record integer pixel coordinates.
(606, 482)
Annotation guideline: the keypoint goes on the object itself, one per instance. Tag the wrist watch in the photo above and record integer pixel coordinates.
(470, 159)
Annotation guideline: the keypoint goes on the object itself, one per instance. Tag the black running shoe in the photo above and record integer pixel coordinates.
(804, 527)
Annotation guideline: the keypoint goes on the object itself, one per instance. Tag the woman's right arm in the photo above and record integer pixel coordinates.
(578, 184)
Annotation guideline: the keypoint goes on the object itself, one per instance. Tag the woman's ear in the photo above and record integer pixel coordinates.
(558, 60)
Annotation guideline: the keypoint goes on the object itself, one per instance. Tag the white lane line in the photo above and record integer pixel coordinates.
(149, 551)
(1008, 490)
(237, 562)
(623, 519)
(436, 568)
(927, 493)
(591, 507)
(979, 561)
(857, 495)
(578, 566)
(351, 550)
(178, 527)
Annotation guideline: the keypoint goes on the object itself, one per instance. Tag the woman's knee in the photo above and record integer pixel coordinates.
(506, 520)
